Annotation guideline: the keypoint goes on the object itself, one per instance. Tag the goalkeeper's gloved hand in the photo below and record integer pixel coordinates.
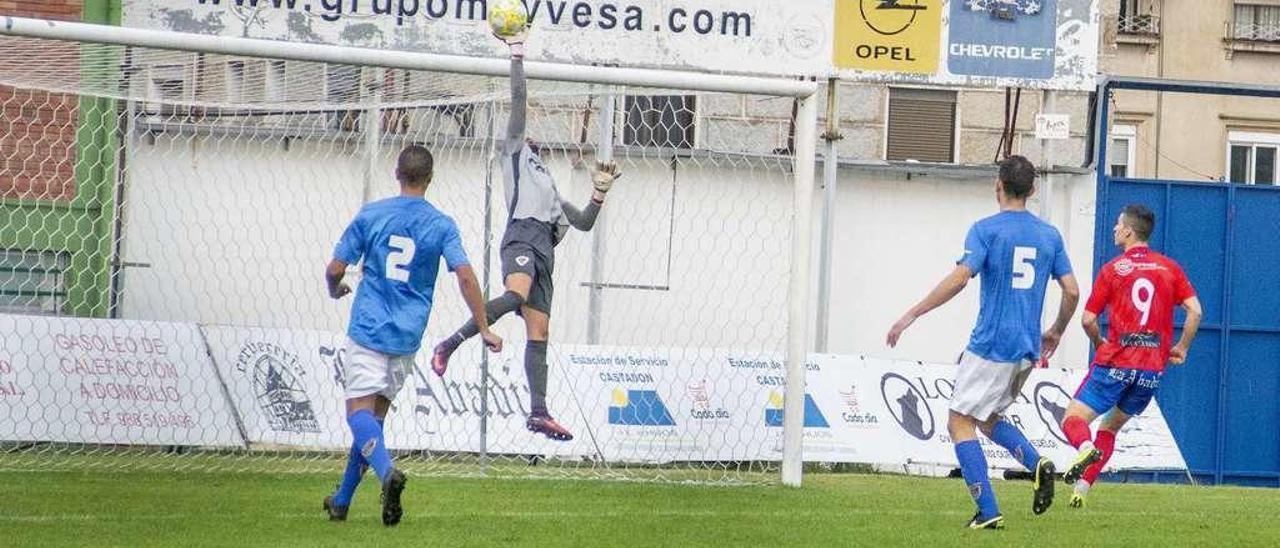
(515, 42)
(606, 173)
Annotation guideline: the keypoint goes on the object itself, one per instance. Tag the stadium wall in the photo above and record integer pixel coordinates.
(898, 232)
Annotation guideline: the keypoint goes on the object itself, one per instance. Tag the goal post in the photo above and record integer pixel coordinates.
(215, 150)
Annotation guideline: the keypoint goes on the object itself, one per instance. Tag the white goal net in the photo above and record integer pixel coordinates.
(167, 216)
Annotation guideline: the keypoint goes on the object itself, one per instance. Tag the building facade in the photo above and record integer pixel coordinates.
(1194, 137)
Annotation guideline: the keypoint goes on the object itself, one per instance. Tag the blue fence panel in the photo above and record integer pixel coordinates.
(1222, 406)
(1251, 446)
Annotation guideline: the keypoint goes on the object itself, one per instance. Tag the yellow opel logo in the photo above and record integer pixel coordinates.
(890, 17)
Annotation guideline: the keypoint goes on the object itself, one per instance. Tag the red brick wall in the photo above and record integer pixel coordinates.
(37, 129)
(67, 10)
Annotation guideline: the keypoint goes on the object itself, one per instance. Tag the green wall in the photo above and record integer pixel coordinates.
(80, 228)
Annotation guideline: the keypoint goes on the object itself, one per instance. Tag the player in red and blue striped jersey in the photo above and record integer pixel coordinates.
(1139, 290)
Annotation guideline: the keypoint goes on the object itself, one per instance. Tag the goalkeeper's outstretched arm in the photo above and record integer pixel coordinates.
(602, 181)
(516, 124)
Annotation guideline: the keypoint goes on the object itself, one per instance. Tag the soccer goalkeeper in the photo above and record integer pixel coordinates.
(537, 219)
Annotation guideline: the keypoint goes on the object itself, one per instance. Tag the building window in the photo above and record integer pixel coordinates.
(1122, 152)
(168, 83)
(32, 282)
(275, 88)
(342, 88)
(659, 121)
(1136, 17)
(235, 81)
(1251, 157)
(1257, 22)
(922, 125)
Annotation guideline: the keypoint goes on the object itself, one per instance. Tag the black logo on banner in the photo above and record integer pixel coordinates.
(908, 406)
(277, 385)
(1051, 404)
(890, 17)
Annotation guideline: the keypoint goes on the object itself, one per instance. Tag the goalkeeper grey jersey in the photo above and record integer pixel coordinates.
(530, 190)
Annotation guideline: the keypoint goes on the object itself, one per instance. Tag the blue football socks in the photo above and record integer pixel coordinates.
(1009, 437)
(973, 465)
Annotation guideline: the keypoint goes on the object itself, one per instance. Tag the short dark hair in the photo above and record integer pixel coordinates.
(1018, 176)
(1141, 220)
(415, 166)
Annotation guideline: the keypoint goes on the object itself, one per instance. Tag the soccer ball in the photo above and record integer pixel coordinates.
(507, 17)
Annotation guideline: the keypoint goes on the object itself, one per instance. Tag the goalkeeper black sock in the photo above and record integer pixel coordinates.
(535, 368)
(505, 304)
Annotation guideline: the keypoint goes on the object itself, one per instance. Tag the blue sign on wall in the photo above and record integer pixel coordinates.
(1010, 38)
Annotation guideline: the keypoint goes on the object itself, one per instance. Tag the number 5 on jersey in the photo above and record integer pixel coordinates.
(1024, 267)
(399, 258)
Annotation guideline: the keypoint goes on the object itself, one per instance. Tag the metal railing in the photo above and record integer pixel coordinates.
(1266, 32)
(1140, 24)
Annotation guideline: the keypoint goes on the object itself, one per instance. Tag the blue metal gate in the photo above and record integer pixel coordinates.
(1222, 405)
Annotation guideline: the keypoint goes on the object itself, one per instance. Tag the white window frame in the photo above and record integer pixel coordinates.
(1255, 5)
(1253, 140)
(1129, 133)
(164, 78)
(235, 77)
(275, 88)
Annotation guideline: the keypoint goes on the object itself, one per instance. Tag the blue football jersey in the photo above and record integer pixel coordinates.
(401, 240)
(1015, 253)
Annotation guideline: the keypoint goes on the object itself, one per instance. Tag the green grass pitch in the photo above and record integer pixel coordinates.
(104, 507)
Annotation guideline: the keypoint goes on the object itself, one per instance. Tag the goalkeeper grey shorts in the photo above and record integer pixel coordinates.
(528, 248)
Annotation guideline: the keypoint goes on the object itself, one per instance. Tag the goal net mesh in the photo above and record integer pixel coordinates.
(167, 217)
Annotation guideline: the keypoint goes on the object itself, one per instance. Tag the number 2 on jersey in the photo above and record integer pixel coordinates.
(399, 258)
(1024, 268)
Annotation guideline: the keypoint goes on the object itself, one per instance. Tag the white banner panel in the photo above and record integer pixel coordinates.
(284, 390)
(647, 405)
(747, 36)
(111, 382)
(896, 412)
(288, 387)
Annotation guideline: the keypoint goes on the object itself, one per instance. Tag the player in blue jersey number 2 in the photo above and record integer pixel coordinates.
(401, 241)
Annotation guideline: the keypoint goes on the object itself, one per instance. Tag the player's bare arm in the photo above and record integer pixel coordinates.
(946, 290)
(1091, 329)
(333, 274)
(1178, 354)
(469, 286)
(1070, 300)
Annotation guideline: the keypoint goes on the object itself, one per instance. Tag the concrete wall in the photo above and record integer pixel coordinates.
(898, 234)
(695, 250)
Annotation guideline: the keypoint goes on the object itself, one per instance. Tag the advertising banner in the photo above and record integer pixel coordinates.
(748, 36)
(127, 382)
(111, 382)
(896, 412)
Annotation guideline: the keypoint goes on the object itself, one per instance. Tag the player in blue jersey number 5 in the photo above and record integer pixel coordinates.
(1015, 253)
